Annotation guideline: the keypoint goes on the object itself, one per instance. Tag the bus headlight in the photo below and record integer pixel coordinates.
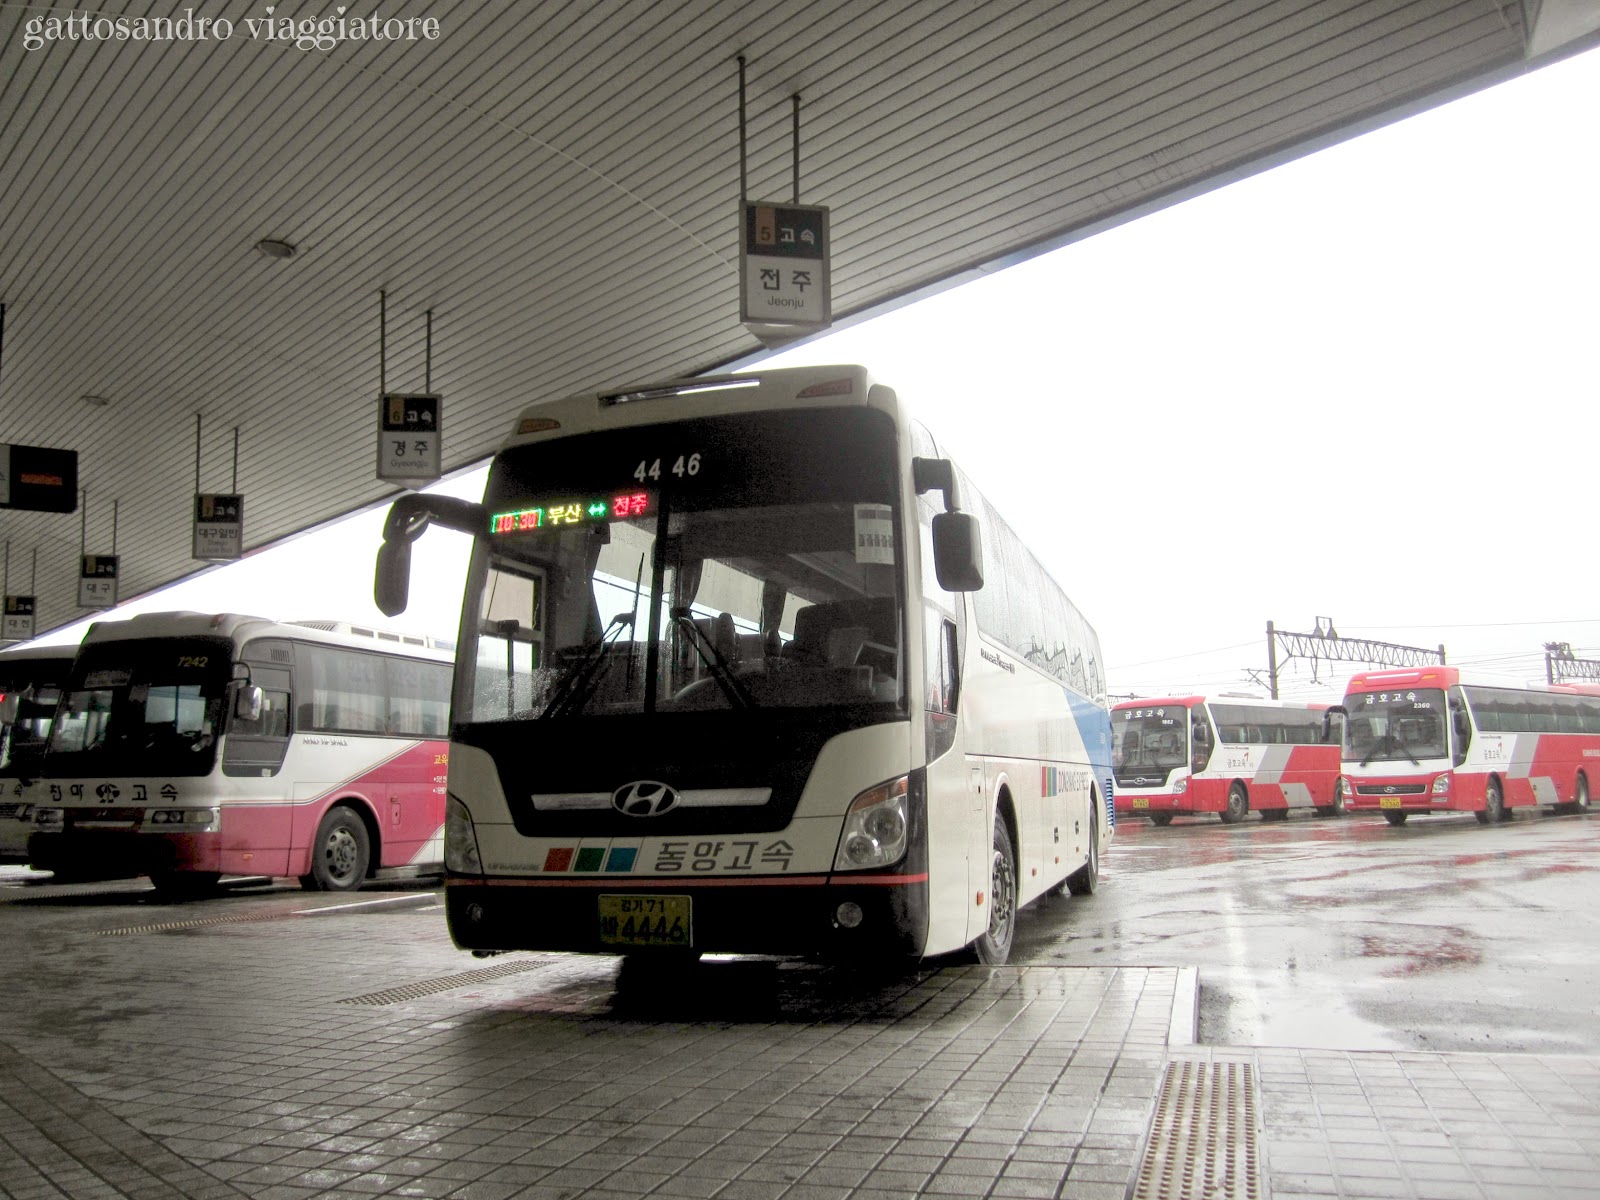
(1181, 786)
(1343, 787)
(460, 840)
(1441, 785)
(874, 828)
(50, 818)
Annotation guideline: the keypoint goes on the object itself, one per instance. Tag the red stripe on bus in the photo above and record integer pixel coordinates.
(698, 881)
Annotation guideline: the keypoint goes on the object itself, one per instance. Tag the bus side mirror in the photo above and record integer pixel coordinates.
(408, 517)
(247, 703)
(957, 552)
(392, 586)
(9, 703)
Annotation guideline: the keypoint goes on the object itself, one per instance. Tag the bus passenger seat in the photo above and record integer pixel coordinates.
(725, 638)
(845, 643)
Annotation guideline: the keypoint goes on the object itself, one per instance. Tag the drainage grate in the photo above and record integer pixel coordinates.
(193, 924)
(445, 983)
(1203, 1143)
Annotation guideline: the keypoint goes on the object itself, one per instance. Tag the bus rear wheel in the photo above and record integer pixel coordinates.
(1580, 797)
(1494, 804)
(1336, 809)
(1086, 878)
(340, 853)
(994, 947)
(1396, 818)
(1238, 805)
(1161, 818)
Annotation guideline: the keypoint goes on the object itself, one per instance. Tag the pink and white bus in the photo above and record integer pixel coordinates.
(1187, 755)
(1426, 741)
(188, 746)
(30, 684)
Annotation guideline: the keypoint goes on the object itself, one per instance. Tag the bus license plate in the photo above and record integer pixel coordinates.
(1390, 802)
(646, 921)
(1142, 802)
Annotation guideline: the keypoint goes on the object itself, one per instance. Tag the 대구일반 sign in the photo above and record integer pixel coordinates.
(218, 526)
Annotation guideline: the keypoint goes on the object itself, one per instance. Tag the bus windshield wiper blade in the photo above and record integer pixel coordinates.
(575, 690)
(1376, 746)
(738, 696)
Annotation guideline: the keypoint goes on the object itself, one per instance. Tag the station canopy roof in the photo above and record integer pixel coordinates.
(557, 182)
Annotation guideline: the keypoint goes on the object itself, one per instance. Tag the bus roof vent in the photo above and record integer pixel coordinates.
(664, 391)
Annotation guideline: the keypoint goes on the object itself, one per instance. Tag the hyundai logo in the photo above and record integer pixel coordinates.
(1389, 789)
(1140, 781)
(644, 798)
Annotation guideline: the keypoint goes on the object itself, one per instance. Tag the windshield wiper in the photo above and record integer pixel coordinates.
(1393, 742)
(574, 691)
(738, 696)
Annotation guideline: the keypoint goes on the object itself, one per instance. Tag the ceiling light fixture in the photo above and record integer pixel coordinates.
(273, 248)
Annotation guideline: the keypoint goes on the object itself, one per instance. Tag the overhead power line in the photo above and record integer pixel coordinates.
(1324, 644)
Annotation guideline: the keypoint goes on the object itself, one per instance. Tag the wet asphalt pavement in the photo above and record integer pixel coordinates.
(1349, 934)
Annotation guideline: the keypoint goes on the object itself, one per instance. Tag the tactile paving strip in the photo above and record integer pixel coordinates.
(196, 923)
(445, 983)
(1203, 1140)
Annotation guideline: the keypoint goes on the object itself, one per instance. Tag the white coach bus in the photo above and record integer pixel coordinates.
(818, 712)
(30, 684)
(188, 746)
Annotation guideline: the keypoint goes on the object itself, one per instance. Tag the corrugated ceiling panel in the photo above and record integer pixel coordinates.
(557, 183)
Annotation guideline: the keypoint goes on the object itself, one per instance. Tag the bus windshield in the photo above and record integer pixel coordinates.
(38, 683)
(1151, 737)
(745, 562)
(142, 708)
(1402, 726)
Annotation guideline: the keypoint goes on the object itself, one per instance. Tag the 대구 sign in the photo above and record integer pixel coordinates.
(408, 438)
(18, 618)
(783, 268)
(218, 526)
(97, 581)
(38, 479)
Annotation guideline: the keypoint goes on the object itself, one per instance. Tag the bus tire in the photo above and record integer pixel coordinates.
(1086, 878)
(994, 946)
(1274, 814)
(1396, 818)
(1580, 796)
(1336, 809)
(340, 853)
(1494, 804)
(1161, 818)
(184, 885)
(1238, 804)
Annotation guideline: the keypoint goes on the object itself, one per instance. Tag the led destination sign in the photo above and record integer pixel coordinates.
(624, 506)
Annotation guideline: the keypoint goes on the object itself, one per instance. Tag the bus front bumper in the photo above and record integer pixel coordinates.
(812, 916)
(110, 854)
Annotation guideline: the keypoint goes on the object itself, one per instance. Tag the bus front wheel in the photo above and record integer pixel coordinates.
(1161, 818)
(1397, 818)
(184, 885)
(340, 853)
(994, 947)
(1494, 804)
(1238, 805)
(1580, 796)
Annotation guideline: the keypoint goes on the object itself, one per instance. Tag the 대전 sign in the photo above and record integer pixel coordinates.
(783, 268)
(218, 526)
(408, 438)
(19, 618)
(38, 479)
(97, 581)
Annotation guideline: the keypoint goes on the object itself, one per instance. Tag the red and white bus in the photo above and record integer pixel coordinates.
(30, 684)
(188, 746)
(1424, 741)
(1186, 755)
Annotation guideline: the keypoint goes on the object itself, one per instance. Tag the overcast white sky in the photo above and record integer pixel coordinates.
(1361, 386)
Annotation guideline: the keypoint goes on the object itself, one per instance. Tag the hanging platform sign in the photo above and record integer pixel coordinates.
(784, 287)
(409, 438)
(97, 581)
(219, 526)
(38, 479)
(18, 618)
